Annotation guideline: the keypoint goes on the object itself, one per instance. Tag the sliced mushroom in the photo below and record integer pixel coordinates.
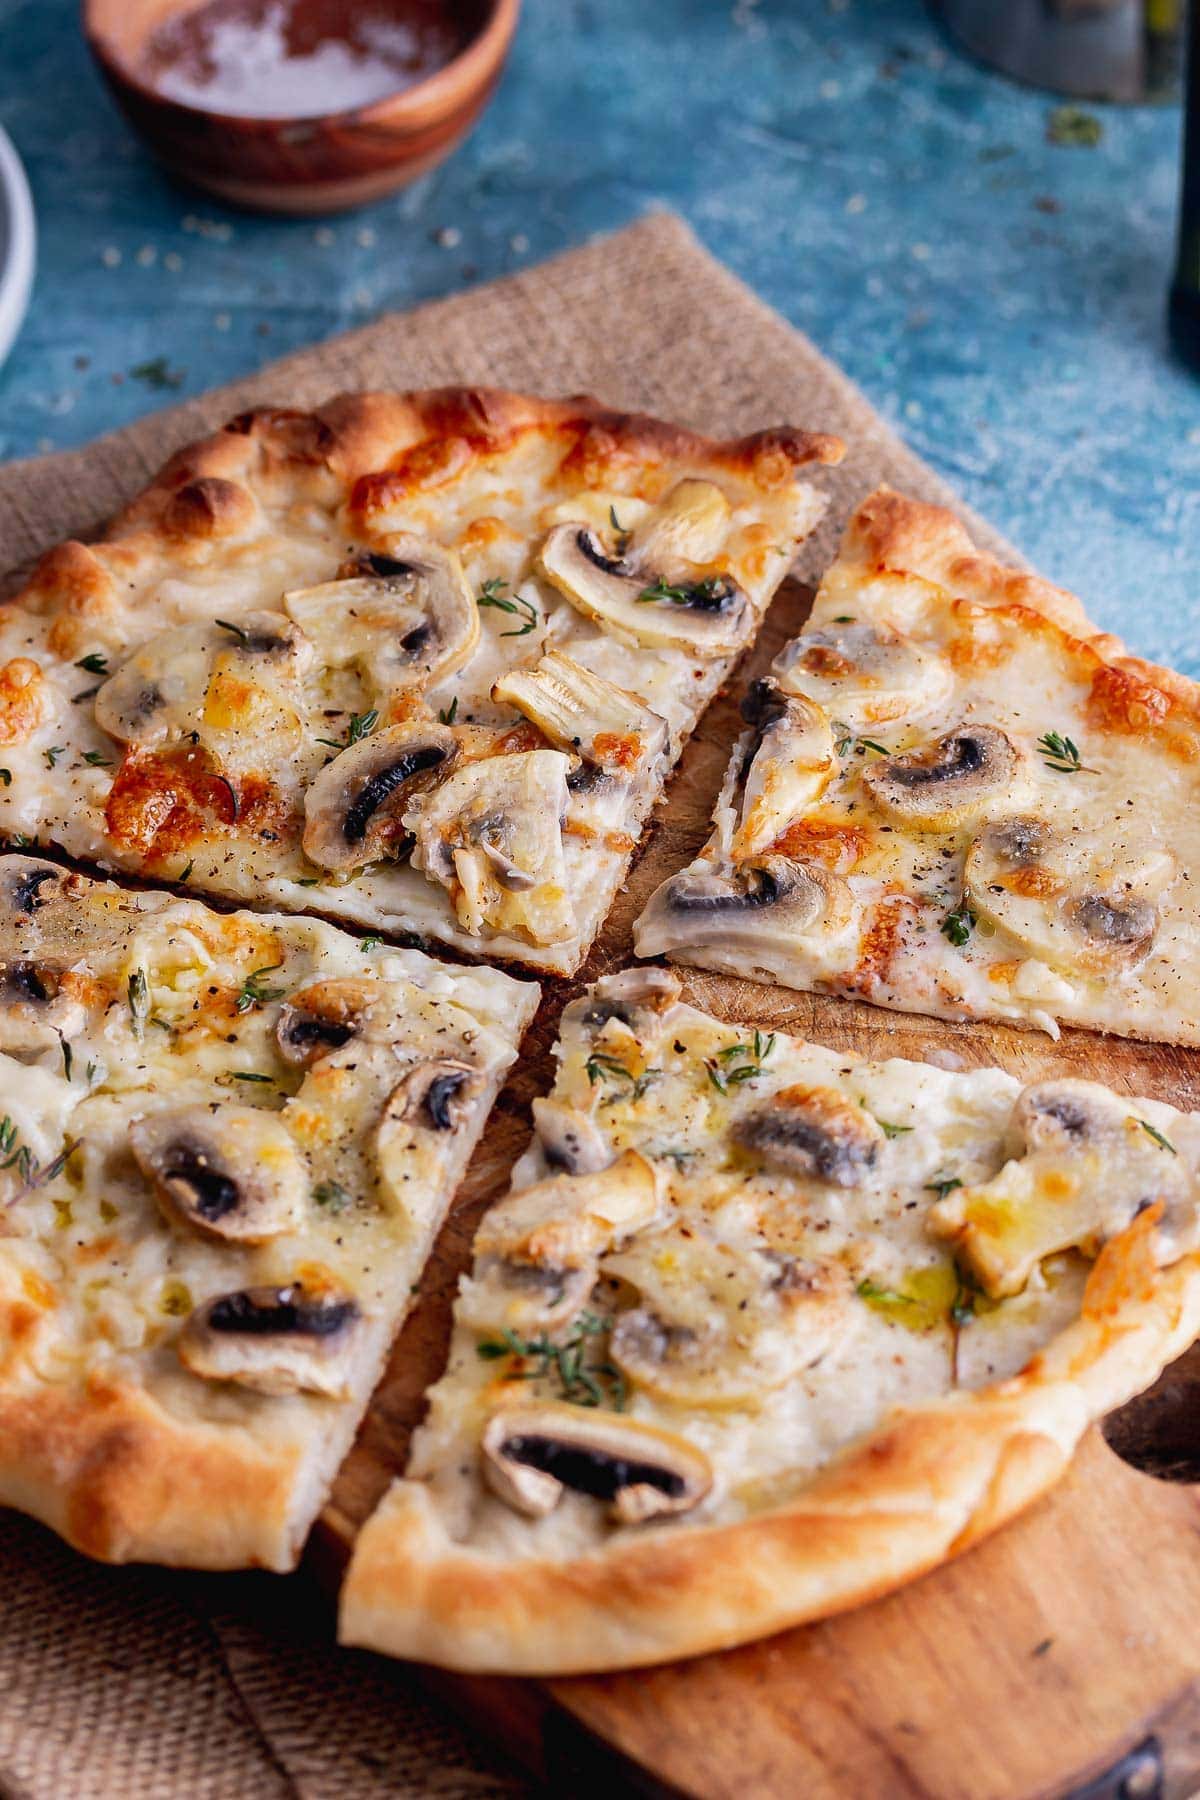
(787, 764)
(718, 1324)
(1079, 899)
(50, 920)
(536, 1252)
(492, 835)
(659, 587)
(951, 782)
(863, 677)
(580, 712)
(1086, 1166)
(404, 619)
(814, 1132)
(762, 909)
(222, 679)
(276, 1340)
(641, 1000)
(323, 1017)
(532, 1453)
(571, 1143)
(352, 811)
(416, 1131)
(37, 1005)
(226, 1172)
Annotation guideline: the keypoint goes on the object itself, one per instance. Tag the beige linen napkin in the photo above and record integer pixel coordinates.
(135, 1683)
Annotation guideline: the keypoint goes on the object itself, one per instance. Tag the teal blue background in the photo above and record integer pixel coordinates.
(1000, 298)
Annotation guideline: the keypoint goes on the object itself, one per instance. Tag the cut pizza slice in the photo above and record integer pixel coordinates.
(226, 1143)
(955, 797)
(418, 661)
(763, 1330)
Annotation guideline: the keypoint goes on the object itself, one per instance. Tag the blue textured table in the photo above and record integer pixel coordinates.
(999, 297)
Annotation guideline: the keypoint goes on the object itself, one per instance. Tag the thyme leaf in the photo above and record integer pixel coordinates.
(253, 993)
(1162, 1142)
(1061, 755)
(490, 595)
(959, 924)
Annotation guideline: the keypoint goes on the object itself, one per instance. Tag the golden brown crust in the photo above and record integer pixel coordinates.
(891, 532)
(380, 437)
(923, 1488)
(118, 1477)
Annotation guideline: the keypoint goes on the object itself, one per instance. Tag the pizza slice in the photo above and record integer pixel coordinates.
(763, 1330)
(955, 797)
(418, 661)
(226, 1143)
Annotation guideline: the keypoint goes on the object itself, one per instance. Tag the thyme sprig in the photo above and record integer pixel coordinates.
(958, 925)
(723, 1077)
(361, 725)
(1163, 1143)
(599, 1068)
(1061, 754)
(580, 1381)
(713, 587)
(846, 742)
(253, 993)
(490, 595)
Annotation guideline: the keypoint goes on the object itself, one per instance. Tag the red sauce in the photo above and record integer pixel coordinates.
(294, 59)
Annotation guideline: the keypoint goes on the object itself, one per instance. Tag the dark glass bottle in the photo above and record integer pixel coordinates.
(1185, 289)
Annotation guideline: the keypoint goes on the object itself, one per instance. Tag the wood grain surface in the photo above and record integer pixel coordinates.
(1065, 1648)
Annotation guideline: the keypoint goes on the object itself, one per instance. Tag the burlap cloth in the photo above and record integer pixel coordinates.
(135, 1683)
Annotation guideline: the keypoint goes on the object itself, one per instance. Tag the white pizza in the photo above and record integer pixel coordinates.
(418, 661)
(955, 797)
(762, 1330)
(227, 1141)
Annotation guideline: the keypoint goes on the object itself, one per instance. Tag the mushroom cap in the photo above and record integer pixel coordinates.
(423, 1114)
(537, 1251)
(227, 681)
(972, 770)
(353, 810)
(570, 1141)
(322, 1017)
(815, 1132)
(530, 1454)
(405, 615)
(276, 1340)
(227, 1172)
(720, 1323)
(764, 906)
(1078, 898)
(861, 676)
(787, 765)
(491, 833)
(641, 999)
(1086, 1165)
(586, 715)
(661, 587)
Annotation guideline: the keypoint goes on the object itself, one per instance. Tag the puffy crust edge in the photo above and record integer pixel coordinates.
(206, 490)
(891, 531)
(120, 1479)
(927, 1485)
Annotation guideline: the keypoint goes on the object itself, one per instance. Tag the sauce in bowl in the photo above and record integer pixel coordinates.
(296, 59)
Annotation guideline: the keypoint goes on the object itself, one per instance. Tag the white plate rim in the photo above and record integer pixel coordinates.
(18, 244)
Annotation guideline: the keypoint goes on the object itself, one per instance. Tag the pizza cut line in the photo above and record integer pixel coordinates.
(955, 797)
(227, 1141)
(421, 662)
(762, 1330)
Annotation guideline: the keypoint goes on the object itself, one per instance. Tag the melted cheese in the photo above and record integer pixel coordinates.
(226, 808)
(174, 1021)
(771, 1317)
(1097, 924)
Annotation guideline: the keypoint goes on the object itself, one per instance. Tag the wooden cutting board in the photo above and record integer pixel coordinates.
(1061, 1657)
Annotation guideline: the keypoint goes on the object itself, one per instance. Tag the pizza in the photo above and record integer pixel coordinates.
(420, 662)
(955, 797)
(762, 1330)
(226, 1143)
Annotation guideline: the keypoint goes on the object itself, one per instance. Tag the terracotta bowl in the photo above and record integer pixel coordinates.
(307, 165)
